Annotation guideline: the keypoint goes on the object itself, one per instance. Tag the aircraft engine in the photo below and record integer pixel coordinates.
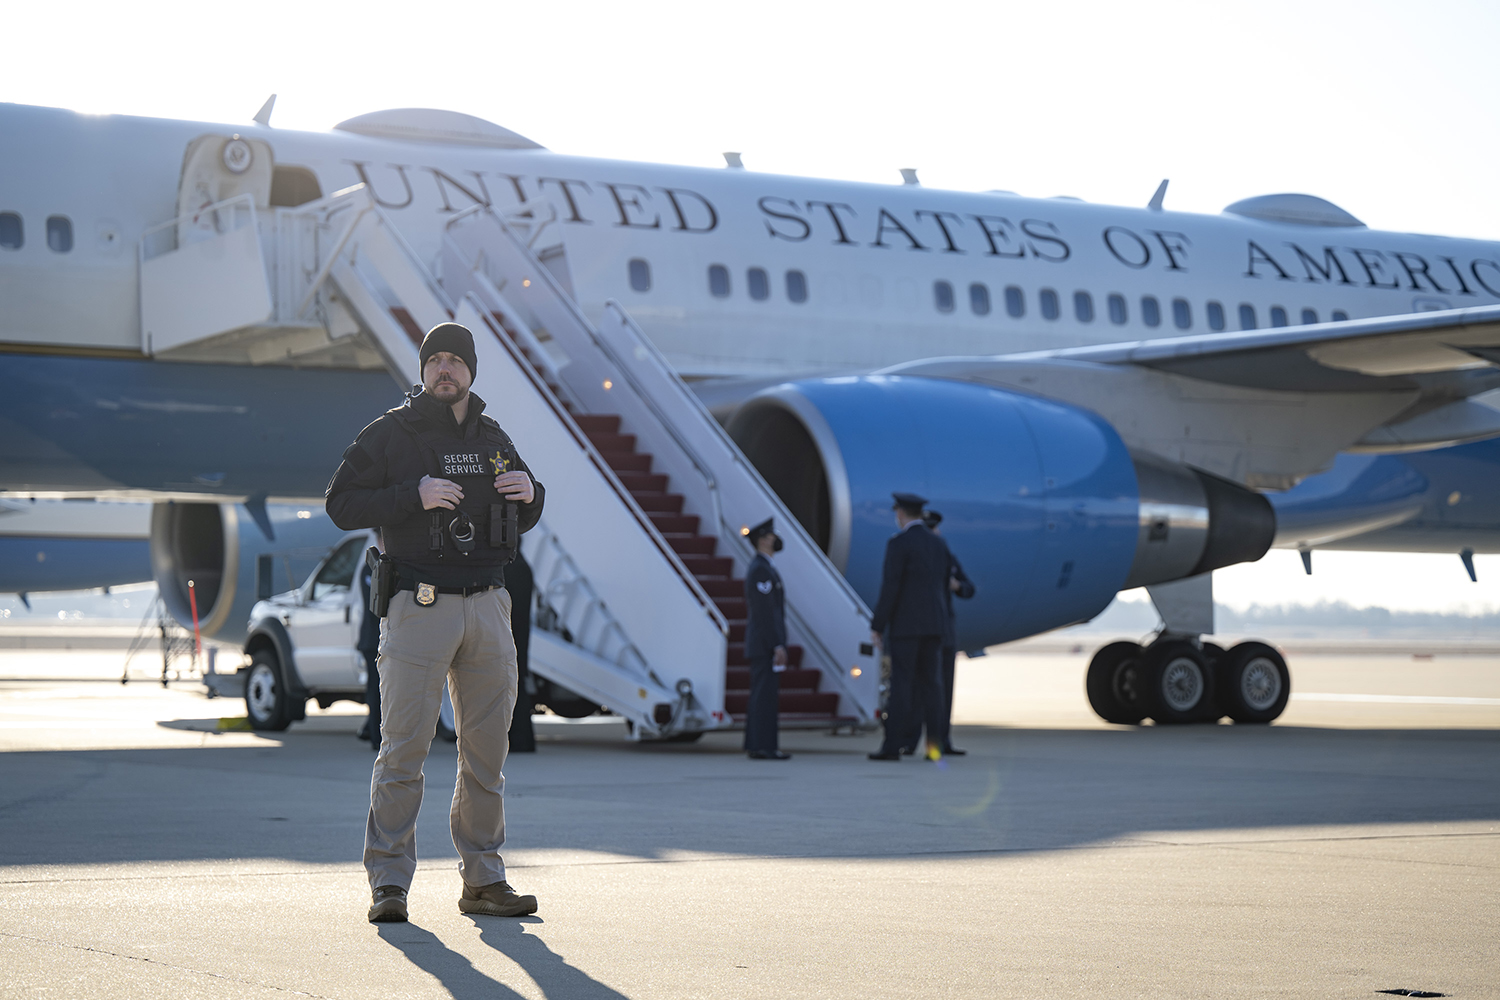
(1045, 506)
(229, 559)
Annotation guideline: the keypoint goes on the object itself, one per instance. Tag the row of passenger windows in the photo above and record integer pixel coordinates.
(720, 284)
(1116, 306)
(1049, 304)
(13, 232)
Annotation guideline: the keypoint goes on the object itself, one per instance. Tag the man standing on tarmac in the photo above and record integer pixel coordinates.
(765, 645)
(959, 585)
(913, 579)
(451, 496)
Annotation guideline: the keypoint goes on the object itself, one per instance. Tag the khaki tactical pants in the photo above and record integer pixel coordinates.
(467, 641)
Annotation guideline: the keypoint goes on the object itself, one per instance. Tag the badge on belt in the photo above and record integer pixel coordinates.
(426, 594)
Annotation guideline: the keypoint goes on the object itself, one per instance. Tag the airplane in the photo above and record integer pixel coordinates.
(1098, 397)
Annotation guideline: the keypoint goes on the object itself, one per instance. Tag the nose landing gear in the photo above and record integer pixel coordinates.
(1176, 680)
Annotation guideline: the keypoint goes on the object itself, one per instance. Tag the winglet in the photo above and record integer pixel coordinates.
(1156, 199)
(263, 116)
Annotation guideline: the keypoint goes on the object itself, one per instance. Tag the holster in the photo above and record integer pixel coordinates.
(382, 581)
(505, 526)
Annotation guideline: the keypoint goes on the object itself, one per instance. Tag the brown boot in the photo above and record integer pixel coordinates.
(497, 900)
(388, 905)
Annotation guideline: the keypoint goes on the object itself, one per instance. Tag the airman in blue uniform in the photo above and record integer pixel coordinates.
(765, 644)
(959, 585)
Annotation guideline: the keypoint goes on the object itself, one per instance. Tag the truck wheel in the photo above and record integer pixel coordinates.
(1113, 684)
(266, 701)
(1177, 682)
(1254, 682)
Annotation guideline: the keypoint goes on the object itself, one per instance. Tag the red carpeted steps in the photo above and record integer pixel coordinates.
(801, 702)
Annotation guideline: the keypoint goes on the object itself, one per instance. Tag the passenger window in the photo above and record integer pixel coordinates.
(337, 573)
(758, 283)
(11, 233)
(1309, 316)
(1117, 314)
(1182, 314)
(718, 281)
(796, 286)
(1215, 316)
(59, 233)
(640, 275)
(1278, 316)
(1339, 316)
(979, 299)
(942, 296)
(1015, 301)
(1247, 316)
(1048, 300)
(1083, 307)
(1150, 310)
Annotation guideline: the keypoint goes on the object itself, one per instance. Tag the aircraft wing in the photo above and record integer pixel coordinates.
(1270, 407)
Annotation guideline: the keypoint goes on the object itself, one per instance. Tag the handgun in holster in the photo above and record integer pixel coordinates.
(382, 581)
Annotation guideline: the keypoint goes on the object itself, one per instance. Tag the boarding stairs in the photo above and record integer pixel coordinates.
(640, 554)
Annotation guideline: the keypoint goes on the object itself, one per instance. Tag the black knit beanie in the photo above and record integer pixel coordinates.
(454, 339)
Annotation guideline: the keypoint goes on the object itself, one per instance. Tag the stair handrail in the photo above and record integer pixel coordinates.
(545, 391)
(607, 349)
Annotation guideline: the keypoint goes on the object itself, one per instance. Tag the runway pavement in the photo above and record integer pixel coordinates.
(148, 849)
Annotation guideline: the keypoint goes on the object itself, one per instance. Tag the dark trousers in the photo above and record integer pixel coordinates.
(950, 656)
(372, 696)
(765, 694)
(916, 696)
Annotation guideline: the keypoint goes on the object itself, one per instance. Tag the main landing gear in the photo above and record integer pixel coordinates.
(1180, 679)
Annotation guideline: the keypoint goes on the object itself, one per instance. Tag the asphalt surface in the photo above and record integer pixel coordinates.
(148, 849)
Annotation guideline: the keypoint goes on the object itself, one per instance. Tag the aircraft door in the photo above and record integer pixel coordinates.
(325, 628)
(216, 168)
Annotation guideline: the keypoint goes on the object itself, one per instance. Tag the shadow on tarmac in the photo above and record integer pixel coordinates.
(1017, 790)
(557, 979)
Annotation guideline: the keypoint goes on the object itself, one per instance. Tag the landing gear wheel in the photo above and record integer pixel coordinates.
(1212, 710)
(1254, 683)
(1113, 684)
(1176, 681)
(266, 702)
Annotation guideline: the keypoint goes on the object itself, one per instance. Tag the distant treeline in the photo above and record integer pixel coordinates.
(1342, 615)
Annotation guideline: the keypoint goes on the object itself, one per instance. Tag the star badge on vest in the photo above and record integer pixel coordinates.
(500, 463)
(764, 586)
(426, 594)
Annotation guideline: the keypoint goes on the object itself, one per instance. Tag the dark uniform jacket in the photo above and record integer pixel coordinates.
(765, 627)
(965, 591)
(913, 581)
(376, 487)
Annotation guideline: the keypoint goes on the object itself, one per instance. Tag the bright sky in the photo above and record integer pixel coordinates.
(1385, 108)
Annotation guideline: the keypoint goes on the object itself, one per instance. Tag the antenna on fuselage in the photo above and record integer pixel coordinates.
(263, 116)
(909, 176)
(733, 161)
(1156, 199)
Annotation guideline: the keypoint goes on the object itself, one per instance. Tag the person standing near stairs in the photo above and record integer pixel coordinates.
(451, 497)
(765, 645)
(959, 585)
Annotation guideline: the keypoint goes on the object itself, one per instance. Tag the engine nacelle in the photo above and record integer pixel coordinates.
(1042, 502)
(228, 558)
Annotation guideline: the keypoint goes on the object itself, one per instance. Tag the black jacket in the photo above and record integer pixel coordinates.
(376, 484)
(965, 591)
(765, 626)
(913, 580)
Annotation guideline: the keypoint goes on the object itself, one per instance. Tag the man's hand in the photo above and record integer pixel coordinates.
(439, 493)
(875, 638)
(778, 659)
(515, 486)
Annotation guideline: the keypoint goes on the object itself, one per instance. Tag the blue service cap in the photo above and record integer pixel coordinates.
(909, 502)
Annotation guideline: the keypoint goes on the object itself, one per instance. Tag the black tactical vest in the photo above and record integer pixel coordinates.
(468, 546)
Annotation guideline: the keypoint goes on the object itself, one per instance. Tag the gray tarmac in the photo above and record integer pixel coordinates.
(150, 848)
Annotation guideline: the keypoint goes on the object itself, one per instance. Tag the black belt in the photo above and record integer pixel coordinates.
(465, 591)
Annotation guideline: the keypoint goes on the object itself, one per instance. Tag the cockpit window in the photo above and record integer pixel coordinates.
(12, 234)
